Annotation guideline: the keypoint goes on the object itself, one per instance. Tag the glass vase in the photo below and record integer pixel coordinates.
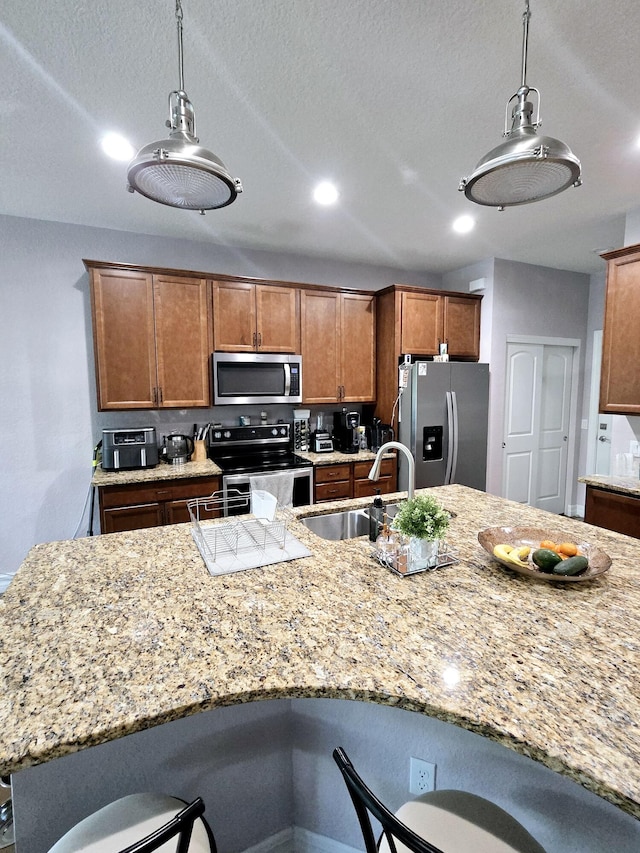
(423, 553)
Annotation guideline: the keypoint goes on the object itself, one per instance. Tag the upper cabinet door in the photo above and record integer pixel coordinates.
(421, 323)
(234, 317)
(619, 377)
(278, 319)
(183, 341)
(255, 317)
(461, 331)
(320, 320)
(124, 339)
(357, 348)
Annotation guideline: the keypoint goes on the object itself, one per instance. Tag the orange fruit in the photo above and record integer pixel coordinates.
(549, 545)
(568, 548)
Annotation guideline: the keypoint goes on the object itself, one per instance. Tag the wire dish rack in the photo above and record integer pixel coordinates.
(244, 543)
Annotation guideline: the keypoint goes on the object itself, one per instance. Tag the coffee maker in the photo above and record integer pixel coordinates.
(345, 431)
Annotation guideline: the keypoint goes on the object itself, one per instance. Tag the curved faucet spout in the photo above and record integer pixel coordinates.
(374, 473)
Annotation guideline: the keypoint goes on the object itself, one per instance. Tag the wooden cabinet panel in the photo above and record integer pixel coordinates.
(619, 378)
(387, 482)
(151, 339)
(461, 327)
(234, 316)
(320, 321)
(422, 318)
(182, 341)
(278, 319)
(124, 338)
(613, 511)
(357, 348)
(333, 491)
(255, 317)
(119, 519)
(134, 506)
(338, 347)
(331, 473)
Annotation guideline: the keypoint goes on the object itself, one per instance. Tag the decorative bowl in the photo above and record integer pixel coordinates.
(599, 561)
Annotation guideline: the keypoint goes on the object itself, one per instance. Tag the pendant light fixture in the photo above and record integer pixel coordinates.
(526, 167)
(177, 171)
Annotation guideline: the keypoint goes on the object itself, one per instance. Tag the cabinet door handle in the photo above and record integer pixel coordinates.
(160, 394)
(259, 339)
(155, 395)
(255, 340)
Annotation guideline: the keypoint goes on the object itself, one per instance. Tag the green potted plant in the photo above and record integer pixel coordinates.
(425, 523)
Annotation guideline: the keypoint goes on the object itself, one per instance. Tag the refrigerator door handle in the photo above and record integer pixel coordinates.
(454, 465)
(450, 437)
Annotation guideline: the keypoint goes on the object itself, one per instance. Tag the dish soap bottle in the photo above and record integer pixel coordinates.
(376, 517)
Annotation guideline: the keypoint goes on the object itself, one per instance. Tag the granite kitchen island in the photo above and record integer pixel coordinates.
(133, 632)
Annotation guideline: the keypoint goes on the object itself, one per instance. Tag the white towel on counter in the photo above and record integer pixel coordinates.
(280, 485)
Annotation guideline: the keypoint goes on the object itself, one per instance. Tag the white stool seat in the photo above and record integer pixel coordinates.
(458, 822)
(127, 821)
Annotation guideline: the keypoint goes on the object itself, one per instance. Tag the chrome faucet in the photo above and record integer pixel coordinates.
(374, 473)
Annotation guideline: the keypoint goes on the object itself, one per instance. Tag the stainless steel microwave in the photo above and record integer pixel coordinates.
(256, 377)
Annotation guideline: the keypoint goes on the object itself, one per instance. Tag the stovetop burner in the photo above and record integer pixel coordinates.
(261, 448)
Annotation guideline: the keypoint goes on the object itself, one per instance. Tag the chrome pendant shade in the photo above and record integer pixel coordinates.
(178, 171)
(525, 167)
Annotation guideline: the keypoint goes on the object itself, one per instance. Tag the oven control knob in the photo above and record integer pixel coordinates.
(274, 431)
(283, 431)
(227, 434)
(217, 435)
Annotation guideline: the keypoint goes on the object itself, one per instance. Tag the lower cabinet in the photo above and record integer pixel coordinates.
(350, 480)
(613, 511)
(134, 506)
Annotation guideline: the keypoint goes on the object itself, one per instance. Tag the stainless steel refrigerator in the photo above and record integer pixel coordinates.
(443, 419)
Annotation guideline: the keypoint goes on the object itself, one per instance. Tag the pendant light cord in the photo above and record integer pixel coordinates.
(180, 57)
(525, 41)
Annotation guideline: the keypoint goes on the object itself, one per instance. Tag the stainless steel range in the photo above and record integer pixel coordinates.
(243, 451)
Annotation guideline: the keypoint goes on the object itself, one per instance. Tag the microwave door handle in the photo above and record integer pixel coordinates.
(287, 380)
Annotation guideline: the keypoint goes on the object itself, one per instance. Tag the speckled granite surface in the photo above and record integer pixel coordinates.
(335, 457)
(625, 485)
(162, 471)
(106, 636)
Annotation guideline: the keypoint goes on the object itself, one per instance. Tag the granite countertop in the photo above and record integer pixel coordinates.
(163, 471)
(624, 485)
(105, 636)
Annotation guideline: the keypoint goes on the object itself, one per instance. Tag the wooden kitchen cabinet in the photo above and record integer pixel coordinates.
(613, 511)
(333, 482)
(416, 321)
(134, 506)
(152, 338)
(351, 480)
(338, 346)
(386, 483)
(255, 317)
(619, 377)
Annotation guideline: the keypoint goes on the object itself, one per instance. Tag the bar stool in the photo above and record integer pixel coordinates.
(450, 821)
(141, 823)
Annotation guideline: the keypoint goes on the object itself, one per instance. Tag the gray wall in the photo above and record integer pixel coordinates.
(536, 301)
(264, 767)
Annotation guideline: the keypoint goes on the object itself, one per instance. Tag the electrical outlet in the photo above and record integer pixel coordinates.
(422, 776)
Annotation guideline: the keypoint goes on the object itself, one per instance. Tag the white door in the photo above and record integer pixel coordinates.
(537, 413)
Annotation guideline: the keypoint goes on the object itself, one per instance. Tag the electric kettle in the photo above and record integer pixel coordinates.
(177, 449)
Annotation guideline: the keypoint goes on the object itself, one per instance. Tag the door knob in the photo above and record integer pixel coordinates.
(603, 438)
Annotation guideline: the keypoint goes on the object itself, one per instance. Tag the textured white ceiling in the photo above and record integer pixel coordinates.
(395, 100)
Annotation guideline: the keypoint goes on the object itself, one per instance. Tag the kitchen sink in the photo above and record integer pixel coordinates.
(343, 525)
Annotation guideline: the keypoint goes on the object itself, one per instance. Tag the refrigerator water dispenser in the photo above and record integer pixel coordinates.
(431, 443)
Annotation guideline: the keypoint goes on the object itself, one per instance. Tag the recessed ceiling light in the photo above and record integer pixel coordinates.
(325, 193)
(117, 147)
(464, 224)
